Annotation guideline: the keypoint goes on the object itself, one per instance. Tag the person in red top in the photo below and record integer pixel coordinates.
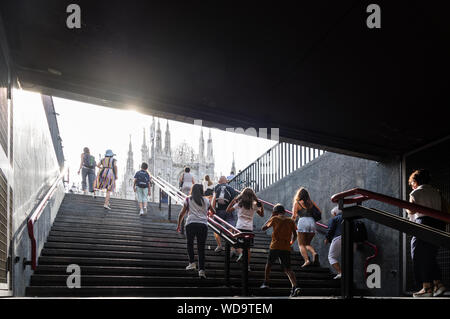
(283, 236)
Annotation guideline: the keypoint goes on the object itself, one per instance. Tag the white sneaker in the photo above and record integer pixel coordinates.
(201, 274)
(338, 276)
(141, 212)
(264, 286)
(145, 210)
(218, 249)
(106, 207)
(191, 266)
(439, 291)
(239, 258)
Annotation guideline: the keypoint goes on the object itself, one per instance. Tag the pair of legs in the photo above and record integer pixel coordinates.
(335, 253)
(107, 197)
(89, 175)
(142, 198)
(229, 218)
(285, 258)
(199, 231)
(426, 269)
(304, 245)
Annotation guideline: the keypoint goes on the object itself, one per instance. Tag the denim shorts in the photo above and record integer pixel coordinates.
(142, 194)
(306, 225)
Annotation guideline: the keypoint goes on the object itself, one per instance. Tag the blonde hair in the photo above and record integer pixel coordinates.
(208, 180)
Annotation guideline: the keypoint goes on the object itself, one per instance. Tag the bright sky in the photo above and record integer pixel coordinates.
(101, 128)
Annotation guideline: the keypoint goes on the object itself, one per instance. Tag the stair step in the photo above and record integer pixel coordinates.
(276, 273)
(121, 262)
(190, 279)
(101, 291)
(122, 254)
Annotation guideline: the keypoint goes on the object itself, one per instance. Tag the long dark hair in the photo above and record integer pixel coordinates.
(197, 194)
(302, 194)
(247, 198)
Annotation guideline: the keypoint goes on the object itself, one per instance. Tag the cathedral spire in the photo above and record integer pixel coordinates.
(209, 149)
(144, 150)
(130, 164)
(233, 166)
(167, 140)
(201, 147)
(158, 139)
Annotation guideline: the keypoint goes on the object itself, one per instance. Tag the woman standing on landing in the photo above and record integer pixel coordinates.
(303, 207)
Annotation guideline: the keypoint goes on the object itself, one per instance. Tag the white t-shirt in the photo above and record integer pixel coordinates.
(196, 213)
(427, 196)
(245, 216)
(205, 186)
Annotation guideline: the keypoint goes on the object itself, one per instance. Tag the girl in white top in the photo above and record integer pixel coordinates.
(208, 187)
(196, 206)
(186, 181)
(246, 205)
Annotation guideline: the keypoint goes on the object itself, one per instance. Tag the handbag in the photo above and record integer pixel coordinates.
(315, 212)
(182, 180)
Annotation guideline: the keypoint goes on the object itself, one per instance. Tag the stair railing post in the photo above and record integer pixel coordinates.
(227, 264)
(347, 259)
(170, 208)
(160, 199)
(245, 249)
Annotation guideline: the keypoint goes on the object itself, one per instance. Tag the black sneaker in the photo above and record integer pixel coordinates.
(295, 292)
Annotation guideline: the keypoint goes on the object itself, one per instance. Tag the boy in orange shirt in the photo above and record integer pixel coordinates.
(283, 236)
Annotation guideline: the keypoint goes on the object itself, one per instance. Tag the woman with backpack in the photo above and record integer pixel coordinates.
(186, 181)
(308, 213)
(196, 206)
(87, 169)
(246, 204)
(106, 178)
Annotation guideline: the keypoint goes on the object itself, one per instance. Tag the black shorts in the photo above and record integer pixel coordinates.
(283, 255)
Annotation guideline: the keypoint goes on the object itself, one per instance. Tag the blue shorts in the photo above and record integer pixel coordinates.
(142, 194)
(230, 218)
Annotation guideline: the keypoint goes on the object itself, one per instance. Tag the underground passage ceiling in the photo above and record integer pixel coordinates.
(313, 70)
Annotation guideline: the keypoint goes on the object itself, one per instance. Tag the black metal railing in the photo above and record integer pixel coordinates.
(350, 213)
(278, 162)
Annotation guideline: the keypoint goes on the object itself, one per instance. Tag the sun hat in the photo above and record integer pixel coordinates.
(109, 153)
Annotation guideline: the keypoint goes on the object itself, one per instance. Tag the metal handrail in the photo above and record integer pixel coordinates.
(368, 195)
(37, 213)
(373, 246)
(179, 197)
(426, 233)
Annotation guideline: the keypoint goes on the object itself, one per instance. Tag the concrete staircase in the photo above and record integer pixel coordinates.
(122, 254)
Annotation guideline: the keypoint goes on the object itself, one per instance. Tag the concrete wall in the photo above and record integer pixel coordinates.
(35, 169)
(332, 173)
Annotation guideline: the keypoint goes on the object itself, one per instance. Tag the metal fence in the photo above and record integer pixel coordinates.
(278, 162)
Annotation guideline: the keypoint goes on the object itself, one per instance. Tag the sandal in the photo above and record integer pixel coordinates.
(306, 264)
(427, 292)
